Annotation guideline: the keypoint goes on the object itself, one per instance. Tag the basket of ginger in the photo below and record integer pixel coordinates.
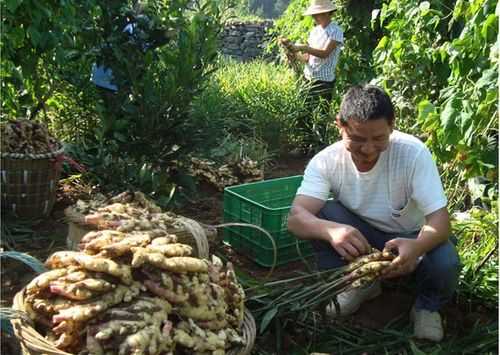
(133, 293)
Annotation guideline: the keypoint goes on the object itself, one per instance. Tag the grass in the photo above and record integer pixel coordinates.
(256, 99)
(478, 249)
(260, 100)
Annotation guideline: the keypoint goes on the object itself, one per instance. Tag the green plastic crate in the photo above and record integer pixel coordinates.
(266, 204)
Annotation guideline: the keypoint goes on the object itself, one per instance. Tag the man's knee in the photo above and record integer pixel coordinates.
(443, 263)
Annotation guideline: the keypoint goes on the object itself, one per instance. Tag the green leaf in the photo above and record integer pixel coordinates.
(12, 5)
(375, 15)
(34, 36)
(488, 78)
(17, 37)
(415, 350)
(490, 26)
(268, 317)
(383, 42)
(120, 137)
(449, 114)
(466, 119)
(425, 108)
(424, 8)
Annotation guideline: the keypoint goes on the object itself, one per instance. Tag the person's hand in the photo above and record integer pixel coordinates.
(283, 41)
(286, 43)
(348, 242)
(408, 251)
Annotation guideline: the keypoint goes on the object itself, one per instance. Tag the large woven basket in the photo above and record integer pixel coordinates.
(188, 232)
(33, 343)
(29, 183)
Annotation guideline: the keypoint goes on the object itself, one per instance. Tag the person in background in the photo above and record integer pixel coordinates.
(387, 194)
(320, 55)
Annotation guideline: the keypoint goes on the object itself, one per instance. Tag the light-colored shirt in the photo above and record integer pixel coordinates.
(323, 69)
(394, 196)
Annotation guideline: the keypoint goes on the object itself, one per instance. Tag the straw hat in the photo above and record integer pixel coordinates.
(319, 7)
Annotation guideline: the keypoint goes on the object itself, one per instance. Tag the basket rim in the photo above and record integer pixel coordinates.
(27, 156)
(29, 337)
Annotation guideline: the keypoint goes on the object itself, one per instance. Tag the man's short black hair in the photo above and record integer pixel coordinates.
(366, 102)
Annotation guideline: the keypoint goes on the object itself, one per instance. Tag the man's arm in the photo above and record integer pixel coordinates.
(302, 220)
(434, 232)
(303, 223)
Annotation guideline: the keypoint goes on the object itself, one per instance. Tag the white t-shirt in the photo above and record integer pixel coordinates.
(323, 69)
(394, 196)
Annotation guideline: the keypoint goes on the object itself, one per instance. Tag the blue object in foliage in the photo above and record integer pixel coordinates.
(103, 77)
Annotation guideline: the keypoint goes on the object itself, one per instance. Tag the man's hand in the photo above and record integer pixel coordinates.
(348, 242)
(408, 251)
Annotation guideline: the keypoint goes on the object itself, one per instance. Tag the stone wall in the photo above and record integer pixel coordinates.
(245, 40)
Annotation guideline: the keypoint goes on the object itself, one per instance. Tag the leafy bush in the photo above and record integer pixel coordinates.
(37, 40)
(440, 60)
(158, 70)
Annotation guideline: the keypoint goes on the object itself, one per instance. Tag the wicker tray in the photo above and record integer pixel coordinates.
(33, 343)
(188, 232)
(29, 183)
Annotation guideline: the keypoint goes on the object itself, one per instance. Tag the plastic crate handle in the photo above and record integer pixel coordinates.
(266, 233)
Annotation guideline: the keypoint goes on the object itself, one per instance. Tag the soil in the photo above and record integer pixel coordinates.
(50, 236)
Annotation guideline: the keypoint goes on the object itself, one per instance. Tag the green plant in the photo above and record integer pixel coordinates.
(115, 173)
(462, 123)
(232, 149)
(405, 57)
(158, 69)
(37, 40)
(439, 60)
(478, 249)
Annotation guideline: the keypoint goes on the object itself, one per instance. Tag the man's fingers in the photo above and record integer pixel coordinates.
(366, 246)
(351, 250)
(344, 254)
(397, 261)
(358, 244)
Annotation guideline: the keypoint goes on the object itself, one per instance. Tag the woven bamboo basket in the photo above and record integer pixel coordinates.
(29, 183)
(188, 232)
(33, 343)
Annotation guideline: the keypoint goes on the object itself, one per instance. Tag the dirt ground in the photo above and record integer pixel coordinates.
(51, 236)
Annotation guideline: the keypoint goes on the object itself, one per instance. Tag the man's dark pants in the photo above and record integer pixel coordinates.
(436, 274)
